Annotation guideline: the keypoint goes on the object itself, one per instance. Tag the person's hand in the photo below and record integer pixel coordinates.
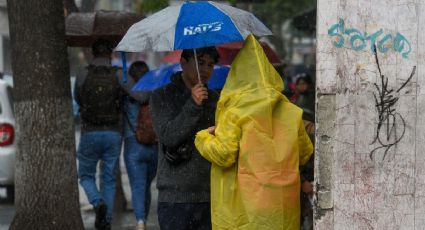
(307, 187)
(199, 93)
(309, 127)
(211, 130)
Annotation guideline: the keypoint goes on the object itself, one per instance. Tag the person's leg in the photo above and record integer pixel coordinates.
(88, 155)
(136, 170)
(152, 166)
(112, 149)
(174, 216)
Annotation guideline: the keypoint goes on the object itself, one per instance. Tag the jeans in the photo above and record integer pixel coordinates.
(141, 163)
(98, 146)
(184, 216)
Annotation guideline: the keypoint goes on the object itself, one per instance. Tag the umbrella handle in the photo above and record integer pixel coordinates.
(197, 68)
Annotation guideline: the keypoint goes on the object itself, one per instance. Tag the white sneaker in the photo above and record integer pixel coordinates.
(141, 225)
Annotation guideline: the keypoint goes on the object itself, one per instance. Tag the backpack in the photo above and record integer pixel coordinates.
(144, 129)
(100, 96)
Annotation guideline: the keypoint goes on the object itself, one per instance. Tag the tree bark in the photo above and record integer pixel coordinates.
(46, 175)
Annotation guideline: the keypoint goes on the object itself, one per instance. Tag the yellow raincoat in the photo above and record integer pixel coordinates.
(259, 143)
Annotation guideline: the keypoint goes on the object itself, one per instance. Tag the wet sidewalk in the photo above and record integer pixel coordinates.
(124, 221)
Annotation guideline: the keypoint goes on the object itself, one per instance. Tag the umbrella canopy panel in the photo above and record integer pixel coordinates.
(82, 29)
(162, 76)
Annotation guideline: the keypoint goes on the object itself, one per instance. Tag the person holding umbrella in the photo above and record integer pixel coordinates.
(179, 110)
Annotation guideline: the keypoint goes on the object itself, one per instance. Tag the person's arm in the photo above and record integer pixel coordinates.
(173, 129)
(142, 97)
(305, 146)
(222, 148)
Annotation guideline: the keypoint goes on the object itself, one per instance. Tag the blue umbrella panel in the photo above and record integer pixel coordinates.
(160, 77)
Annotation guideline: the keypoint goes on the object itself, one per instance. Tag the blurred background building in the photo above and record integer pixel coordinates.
(293, 23)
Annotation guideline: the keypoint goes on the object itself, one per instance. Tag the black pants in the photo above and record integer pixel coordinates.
(184, 216)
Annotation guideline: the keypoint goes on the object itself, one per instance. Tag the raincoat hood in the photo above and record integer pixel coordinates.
(256, 150)
(251, 71)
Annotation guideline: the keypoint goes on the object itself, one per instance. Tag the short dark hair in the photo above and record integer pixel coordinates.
(137, 69)
(102, 47)
(304, 77)
(210, 51)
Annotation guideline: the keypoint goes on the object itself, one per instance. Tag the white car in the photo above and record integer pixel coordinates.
(7, 141)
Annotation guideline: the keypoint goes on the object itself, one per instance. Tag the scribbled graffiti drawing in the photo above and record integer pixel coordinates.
(385, 102)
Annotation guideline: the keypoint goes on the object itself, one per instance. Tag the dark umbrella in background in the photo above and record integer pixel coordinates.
(162, 76)
(227, 53)
(82, 29)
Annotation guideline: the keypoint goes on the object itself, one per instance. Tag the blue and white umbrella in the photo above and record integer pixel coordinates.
(191, 25)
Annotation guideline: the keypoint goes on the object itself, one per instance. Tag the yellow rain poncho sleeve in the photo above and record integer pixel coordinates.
(258, 146)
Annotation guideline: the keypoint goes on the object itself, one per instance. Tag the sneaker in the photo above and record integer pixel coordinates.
(101, 223)
(141, 225)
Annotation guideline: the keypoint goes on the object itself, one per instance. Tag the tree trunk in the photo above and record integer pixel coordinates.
(46, 175)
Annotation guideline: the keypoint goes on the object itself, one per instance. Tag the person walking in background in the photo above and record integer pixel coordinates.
(256, 148)
(99, 94)
(305, 97)
(179, 110)
(306, 101)
(140, 158)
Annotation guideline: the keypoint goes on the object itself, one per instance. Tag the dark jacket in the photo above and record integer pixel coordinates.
(307, 103)
(176, 120)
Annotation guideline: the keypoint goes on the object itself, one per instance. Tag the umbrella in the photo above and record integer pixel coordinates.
(227, 53)
(83, 29)
(162, 76)
(191, 25)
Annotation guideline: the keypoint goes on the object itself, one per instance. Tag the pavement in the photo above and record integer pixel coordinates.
(122, 221)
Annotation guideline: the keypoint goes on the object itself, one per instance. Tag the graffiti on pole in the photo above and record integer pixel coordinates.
(388, 119)
(357, 40)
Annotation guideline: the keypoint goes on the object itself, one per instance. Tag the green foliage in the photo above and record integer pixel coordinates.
(273, 13)
(277, 11)
(151, 6)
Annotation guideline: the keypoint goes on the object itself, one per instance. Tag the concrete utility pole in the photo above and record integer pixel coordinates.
(370, 159)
